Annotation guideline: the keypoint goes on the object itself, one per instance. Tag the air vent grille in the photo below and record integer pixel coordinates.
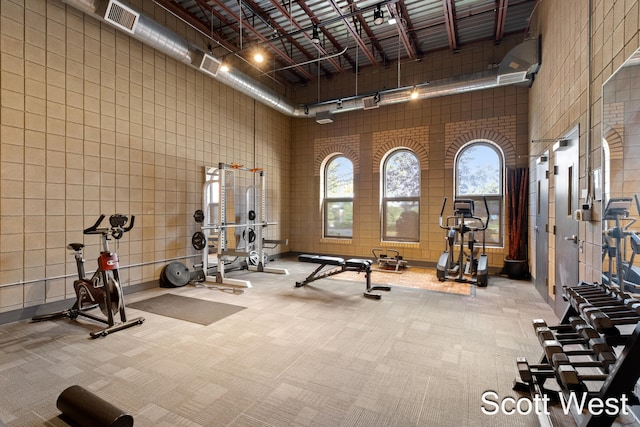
(121, 16)
(209, 65)
(511, 78)
(369, 103)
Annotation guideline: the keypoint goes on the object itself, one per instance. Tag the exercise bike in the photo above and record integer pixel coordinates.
(463, 222)
(103, 289)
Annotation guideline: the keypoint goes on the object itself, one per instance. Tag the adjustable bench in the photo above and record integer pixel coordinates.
(338, 265)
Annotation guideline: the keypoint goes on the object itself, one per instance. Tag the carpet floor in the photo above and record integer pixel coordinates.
(319, 355)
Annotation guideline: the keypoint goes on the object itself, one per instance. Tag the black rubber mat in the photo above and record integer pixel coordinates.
(185, 308)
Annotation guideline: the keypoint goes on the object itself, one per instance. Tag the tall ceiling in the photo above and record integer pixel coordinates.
(348, 37)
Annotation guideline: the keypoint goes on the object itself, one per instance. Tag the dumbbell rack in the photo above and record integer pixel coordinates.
(604, 320)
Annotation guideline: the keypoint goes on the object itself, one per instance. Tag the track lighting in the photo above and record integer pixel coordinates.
(315, 38)
(378, 15)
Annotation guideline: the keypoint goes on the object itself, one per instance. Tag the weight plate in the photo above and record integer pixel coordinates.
(174, 275)
(199, 216)
(199, 240)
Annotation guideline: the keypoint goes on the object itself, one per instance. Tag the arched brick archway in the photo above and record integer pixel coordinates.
(402, 142)
(499, 139)
(331, 150)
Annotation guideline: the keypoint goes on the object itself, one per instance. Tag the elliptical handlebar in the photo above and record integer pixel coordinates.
(484, 224)
(441, 213)
(117, 228)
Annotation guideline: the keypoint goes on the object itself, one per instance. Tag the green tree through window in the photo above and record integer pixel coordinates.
(338, 198)
(401, 197)
(479, 174)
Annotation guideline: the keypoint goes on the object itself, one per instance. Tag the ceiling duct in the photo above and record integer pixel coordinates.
(519, 66)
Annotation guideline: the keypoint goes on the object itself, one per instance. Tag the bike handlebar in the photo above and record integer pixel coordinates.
(115, 230)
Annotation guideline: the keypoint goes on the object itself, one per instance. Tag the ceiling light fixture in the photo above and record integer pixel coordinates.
(258, 58)
(414, 93)
(378, 15)
(315, 38)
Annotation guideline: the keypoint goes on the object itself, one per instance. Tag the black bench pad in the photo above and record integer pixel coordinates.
(358, 263)
(319, 259)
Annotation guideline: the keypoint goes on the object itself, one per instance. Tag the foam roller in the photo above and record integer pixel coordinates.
(87, 409)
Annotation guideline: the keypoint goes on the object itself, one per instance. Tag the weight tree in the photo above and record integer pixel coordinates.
(235, 228)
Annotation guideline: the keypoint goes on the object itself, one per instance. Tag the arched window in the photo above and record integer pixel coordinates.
(338, 197)
(479, 171)
(401, 197)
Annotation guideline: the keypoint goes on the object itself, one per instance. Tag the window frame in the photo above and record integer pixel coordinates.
(491, 198)
(386, 200)
(326, 199)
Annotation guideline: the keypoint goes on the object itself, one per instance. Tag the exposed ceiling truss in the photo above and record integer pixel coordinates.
(348, 38)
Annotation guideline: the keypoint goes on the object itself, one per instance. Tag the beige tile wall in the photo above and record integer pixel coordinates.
(430, 127)
(92, 121)
(563, 90)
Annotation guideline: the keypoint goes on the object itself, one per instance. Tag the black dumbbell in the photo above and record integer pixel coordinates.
(606, 360)
(581, 335)
(596, 348)
(562, 328)
(607, 322)
(572, 380)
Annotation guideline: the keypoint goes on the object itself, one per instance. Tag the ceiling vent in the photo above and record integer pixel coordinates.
(121, 15)
(324, 117)
(370, 102)
(512, 78)
(206, 63)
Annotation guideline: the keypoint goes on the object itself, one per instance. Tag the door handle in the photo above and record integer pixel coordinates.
(573, 238)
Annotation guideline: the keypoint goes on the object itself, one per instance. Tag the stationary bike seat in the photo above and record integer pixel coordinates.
(75, 246)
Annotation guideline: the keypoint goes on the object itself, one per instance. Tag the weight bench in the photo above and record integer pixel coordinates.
(338, 265)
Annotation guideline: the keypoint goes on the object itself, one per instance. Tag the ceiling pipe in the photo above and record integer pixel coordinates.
(164, 40)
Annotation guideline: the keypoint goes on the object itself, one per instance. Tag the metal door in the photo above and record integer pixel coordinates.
(542, 225)
(566, 202)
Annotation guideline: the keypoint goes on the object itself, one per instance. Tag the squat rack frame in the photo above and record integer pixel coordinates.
(218, 230)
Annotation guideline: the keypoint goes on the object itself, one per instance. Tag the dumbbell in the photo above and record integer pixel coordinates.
(580, 335)
(572, 380)
(615, 310)
(570, 327)
(607, 322)
(597, 347)
(577, 299)
(607, 359)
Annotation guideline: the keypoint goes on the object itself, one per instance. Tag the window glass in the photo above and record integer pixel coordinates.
(401, 197)
(338, 198)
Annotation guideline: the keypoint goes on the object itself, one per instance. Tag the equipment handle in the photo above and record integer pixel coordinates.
(444, 203)
(132, 220)
(94, 227)
(486, 208)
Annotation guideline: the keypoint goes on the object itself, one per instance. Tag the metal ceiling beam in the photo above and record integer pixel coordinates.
(501, 18)
(303, 5)
(354, 33)
(450, 23)
(362, 22)
(265, 16)
(402, 30)
(320, 48)
(262, 38)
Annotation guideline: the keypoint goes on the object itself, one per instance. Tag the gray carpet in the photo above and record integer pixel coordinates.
(184, 308)
(320, 356)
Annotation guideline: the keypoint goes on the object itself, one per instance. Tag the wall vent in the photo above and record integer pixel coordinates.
(511, 78)
(121, 16)
(324, 117)
(206, 63)
(370, 102)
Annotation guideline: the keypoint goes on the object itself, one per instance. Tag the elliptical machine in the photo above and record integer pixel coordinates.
(103, 288)
(463, 222)
(614, 244)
